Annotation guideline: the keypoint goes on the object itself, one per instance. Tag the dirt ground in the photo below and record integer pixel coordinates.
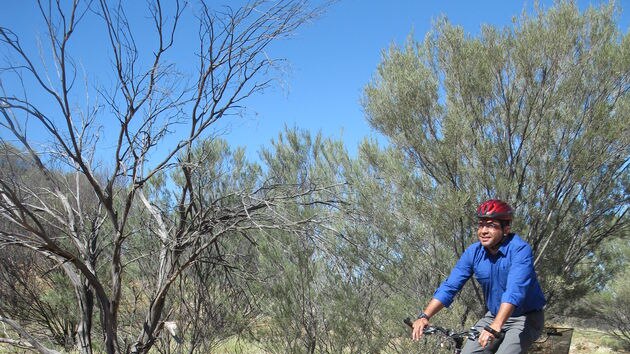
(576, 340)
(586, 346)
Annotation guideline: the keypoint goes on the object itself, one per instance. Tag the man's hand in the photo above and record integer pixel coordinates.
(487, 337)
(505, 311)
(432, 308)
(418, 328)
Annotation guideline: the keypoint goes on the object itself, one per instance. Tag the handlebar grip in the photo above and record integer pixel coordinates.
(408, 322)
(497, 335)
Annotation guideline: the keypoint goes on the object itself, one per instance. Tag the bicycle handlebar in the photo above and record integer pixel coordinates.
(472, 334)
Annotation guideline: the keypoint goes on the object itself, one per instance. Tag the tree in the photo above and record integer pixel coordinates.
(143, 126)
(213, 300)
(334, 287)
(288, 263)
(537, 114)
(609, 305)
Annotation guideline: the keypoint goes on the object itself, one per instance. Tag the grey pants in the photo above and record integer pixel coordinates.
(520, 333)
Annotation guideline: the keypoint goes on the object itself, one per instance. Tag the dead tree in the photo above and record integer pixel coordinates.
(96, 158)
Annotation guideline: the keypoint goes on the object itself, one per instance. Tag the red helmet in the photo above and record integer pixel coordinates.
(495, 209)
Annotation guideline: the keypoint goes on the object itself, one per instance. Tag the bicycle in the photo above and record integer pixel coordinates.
(457, 337)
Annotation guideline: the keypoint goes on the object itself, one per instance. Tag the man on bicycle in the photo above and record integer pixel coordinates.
(503, 265)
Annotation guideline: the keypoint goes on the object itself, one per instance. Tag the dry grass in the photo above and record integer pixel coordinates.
(589, 341)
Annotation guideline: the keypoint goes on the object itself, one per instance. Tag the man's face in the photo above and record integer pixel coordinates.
(490, 233)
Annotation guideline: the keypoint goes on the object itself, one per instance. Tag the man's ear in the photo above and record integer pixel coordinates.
(506, 230)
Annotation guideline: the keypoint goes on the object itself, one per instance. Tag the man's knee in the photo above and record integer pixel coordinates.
(521, 333)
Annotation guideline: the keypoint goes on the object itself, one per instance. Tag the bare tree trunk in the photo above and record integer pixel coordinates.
(85, 297)
(109, 327)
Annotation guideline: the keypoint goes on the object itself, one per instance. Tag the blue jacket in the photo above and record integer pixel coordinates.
(508, 276)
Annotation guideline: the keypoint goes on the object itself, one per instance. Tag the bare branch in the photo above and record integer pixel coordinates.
(34, 343)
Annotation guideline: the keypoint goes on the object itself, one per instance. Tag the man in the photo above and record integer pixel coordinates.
(503, 265)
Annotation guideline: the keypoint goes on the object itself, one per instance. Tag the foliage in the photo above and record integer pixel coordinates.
(342, 287)
(536, 114)
(36, 294)
(612, 306)
(292, 265)
(213, 300)
(173, 241)
(609, 305)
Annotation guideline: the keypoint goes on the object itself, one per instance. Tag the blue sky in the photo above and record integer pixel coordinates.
(331, 60)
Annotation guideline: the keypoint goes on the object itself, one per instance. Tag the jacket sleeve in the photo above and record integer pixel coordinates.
(459, 275)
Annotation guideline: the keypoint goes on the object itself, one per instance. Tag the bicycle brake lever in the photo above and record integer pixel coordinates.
(473, 334)
(430, 330)
(408, 322)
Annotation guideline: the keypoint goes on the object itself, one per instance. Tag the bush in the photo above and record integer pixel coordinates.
(612, 306)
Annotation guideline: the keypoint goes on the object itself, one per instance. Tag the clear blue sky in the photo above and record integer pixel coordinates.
(332, 59)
